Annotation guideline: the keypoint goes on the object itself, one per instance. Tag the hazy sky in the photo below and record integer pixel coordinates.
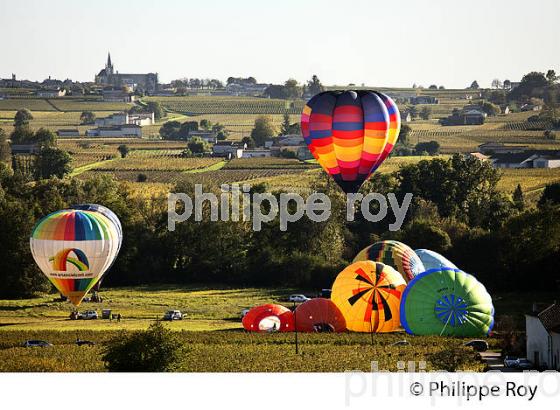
(379, 43)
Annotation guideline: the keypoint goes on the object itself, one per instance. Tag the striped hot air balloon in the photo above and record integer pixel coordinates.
(368, 294)
(73, 248)
(395, 254)
(116, 222)
(350, 133)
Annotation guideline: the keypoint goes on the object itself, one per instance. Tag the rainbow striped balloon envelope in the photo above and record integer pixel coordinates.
(350, 133)
(73, 248)
(395, 254)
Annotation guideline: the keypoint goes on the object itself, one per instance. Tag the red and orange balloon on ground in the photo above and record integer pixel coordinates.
(269, 318)
(350, 133)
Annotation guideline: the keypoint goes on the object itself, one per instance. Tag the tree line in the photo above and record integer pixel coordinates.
(508, 242)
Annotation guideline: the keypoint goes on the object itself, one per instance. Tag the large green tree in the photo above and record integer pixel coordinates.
(264, 128)
(156, 108)
(465, 188)
(22, 117)
(314, 85)
(52, 162)
(170, 130)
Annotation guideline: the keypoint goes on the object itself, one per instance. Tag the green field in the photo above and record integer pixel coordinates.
(214, 336)
(238, 351)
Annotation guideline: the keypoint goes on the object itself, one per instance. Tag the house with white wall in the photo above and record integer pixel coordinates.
(543, 337)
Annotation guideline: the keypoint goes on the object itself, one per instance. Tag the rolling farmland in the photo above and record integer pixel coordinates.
(161, 162)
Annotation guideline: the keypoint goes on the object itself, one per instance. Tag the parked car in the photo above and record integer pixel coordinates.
(510, 361)
(401, 343)
(173, 315)
(298, 298)
(524, 364)
(244, 312)
(36, 343)
(88, 315)
(478, 345)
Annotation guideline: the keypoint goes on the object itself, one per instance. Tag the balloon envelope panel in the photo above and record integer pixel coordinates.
(349, 133)
(446, 302)
(433, 260)
(396, 254)
(73, 248)
(107, 213)
(319, 315)
(368, 294)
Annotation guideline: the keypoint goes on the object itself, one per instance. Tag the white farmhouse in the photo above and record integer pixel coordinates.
(543, 337)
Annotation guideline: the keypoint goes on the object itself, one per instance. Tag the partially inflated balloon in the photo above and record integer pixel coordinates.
(433, 260)
(350, 133)
(446, 302)
(395, 254)
(74, 248)
(368, 294)
(269, 318)
(319, 315)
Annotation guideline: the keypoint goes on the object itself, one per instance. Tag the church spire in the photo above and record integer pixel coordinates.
(109, 65)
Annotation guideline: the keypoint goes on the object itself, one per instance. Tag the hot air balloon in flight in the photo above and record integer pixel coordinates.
(395, 254)
(433, 260)
(74, 248)
(269, 318)
(446, 302)
(369, 294)
(319, 315)
(350, 133)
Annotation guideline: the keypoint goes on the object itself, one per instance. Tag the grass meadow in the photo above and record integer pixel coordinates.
(215, 340)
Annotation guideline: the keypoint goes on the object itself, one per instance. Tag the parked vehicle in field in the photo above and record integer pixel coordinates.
(478, 345)
(298, 298)
(88, 315)
(510, 361)
(326, 293)
(36, 343)
(524, 364)
(173, 315)
(401, 343)
(244, 312)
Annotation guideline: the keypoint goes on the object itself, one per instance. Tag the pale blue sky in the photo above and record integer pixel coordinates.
(379, 43)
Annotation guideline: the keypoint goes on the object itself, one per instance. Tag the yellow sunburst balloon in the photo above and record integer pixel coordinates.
(369, 294)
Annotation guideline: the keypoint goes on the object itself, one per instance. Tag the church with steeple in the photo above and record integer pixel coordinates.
(147, 83)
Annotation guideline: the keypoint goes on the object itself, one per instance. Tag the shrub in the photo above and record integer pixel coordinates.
(154, 350)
